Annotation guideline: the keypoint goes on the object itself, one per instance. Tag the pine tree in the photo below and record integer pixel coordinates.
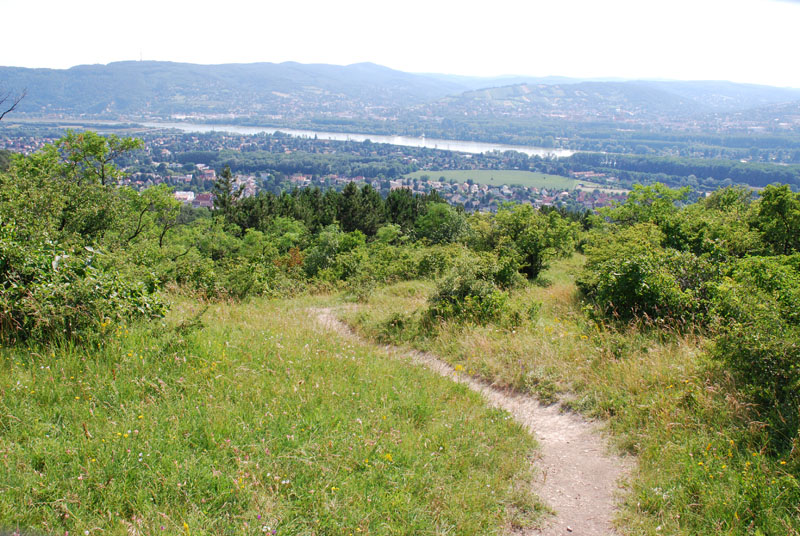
(349, 213)
(226, 194)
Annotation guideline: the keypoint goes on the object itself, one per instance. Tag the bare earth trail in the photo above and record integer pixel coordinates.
(576, 475)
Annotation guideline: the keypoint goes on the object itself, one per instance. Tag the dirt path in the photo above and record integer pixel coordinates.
(576, 475)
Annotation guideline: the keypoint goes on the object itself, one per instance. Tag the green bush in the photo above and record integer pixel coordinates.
(243, 279)
(518, 314)
(400, 328)
(759, 338)
(534, 238)
(715, 226)
(469, 292)
(776, 216)
(194, 272)
(50, 293)
(329, 243)
(629, 275)
(375, 263)
(441, 224)
(654, 203)
(362, 286)
(435, 261)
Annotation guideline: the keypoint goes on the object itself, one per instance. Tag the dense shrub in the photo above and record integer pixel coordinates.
(520, 313)
(329, 243)
(704, 265)
(759, 314)
(195, 272)
(524, 237)
(654, 203)
(441, 224)
(49, 292)
(534, 238)
(629, 274)
(242, 279)
(715, 226)
(777, 219)
(435, 261)
(388, 264)
(469, 292)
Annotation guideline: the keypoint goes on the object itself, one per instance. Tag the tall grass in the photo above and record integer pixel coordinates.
(249, 419)
(703, 465)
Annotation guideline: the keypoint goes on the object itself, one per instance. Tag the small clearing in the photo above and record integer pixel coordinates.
(577, 475)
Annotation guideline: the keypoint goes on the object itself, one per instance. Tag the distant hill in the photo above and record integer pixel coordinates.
(728, 96)
(587, 101)
(365, 92)
(165, 88)
(775, 114)
(477, 82)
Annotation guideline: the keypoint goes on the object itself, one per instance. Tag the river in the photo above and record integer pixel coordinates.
(473, 147)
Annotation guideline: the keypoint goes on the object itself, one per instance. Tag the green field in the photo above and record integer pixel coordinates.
(249, 419)
(499, 177)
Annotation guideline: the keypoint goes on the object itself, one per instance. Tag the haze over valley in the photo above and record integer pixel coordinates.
(371, 95)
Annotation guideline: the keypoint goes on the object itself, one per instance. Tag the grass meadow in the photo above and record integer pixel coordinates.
(250, 419)
(702, 465)
(493, 177)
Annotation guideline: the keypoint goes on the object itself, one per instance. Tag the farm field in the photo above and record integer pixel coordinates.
(494, 177)
(591, 186)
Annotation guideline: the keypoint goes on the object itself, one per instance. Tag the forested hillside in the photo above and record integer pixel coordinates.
(166, 88)
(602, 100)
(161, 373)
(163, 88)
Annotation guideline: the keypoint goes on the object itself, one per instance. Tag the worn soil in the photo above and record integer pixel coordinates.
(577, 476)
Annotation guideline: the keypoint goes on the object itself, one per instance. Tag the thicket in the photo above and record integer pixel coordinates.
(63, 224)
(727, 266)
(78, 251)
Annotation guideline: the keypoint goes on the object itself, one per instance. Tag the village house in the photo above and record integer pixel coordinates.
(204, 201)
(184, 197)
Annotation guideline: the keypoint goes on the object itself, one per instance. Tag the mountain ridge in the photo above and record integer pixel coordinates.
(365, 90)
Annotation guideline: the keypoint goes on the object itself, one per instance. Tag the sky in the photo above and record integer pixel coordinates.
(754, 41)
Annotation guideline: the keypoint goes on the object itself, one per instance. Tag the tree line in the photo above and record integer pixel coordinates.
(750, 173)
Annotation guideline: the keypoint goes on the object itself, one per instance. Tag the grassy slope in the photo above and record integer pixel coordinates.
(501, 177)
(700, 471)
(256, 421)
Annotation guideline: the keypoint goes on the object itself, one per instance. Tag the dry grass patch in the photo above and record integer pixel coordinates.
(702, 467)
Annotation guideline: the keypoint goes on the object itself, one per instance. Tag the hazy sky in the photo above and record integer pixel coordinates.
(740, 40)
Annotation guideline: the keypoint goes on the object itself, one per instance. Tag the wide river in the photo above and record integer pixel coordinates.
(474, 147)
